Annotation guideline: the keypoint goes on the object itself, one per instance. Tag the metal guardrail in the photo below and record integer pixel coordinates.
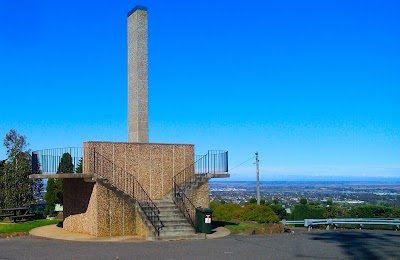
(214, 162)
(310, 223)
(47, 161)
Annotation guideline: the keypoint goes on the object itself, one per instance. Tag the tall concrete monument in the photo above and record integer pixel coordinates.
(138, 124)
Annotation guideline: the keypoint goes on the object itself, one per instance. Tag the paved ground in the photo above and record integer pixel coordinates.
(54, 232)
(334, 244)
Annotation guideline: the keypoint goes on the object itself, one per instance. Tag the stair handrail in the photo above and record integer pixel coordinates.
(129, 185)
(210, 163)
(184, 204)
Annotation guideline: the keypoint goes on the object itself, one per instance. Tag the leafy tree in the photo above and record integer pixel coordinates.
(335, 212)
(2, 188)
(329, 202)
(54, 189)
(17, 188)
(374, 211)
(301, 211)
(262, 201)
(2, 162)
(303, 201)
(275, 201)
(279, 210)
(315, 204)
(214, 204)
(252, 200)
(15, 144)
(66, 165)
(79, 168)
(51, 195)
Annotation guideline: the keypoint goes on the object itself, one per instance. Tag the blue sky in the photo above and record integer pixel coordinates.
(312, 85)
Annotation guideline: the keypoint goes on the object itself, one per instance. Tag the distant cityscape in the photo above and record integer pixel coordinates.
(289, 193)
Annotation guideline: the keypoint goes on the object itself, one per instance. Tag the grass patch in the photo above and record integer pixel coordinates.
(24, 227)
(242, 226)
(254, 228)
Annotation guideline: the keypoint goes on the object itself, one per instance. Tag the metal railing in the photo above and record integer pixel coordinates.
(185, 205)
(127, 184)
(214, 162)
(310, 223)
(47, 161)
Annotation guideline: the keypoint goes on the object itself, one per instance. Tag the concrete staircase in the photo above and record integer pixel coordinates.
(176, 227)
(194, 184)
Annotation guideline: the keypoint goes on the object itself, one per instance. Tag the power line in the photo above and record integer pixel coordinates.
(242, 163)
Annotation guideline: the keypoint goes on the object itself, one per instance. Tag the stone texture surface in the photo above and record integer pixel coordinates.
(80, 206)
(93, 209)
(199, 197)
(137, 77)
(153, 165)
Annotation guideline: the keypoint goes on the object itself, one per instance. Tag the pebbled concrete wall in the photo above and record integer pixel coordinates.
(199, 197)
(92, 209)
(152, 164)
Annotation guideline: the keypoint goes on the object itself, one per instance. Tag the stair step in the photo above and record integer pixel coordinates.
(173, 221)
(177, 229)
(177, 237)
(170, 212)
(176, 233)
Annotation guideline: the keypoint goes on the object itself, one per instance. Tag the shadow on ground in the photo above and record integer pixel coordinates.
(362, 244)
(216, 224)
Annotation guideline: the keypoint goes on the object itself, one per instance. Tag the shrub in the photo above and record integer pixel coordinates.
(375, 211)
(225, 211)
(301, 211)
(259, 213)
(279, 210)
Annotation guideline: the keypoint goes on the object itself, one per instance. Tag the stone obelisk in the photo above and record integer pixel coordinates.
(138, 123)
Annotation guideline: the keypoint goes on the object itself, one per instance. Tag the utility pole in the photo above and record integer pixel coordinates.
(258, 179)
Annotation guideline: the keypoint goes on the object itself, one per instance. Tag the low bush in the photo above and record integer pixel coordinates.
(259, 213)
(250, 212)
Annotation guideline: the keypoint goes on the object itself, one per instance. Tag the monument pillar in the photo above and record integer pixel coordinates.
(138, 124)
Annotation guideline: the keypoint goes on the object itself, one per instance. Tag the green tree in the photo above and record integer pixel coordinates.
(304, 211)
(262, 201)
(66, 165)
(303, 201)
(2, 162)
(54, 189)
(252, 200)
(79, 168)
(329, 202)
(51, 195)
(16, 185)
(335, 212)
(374, 211)
(214, 204)
(2, 188)
(279, 210)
